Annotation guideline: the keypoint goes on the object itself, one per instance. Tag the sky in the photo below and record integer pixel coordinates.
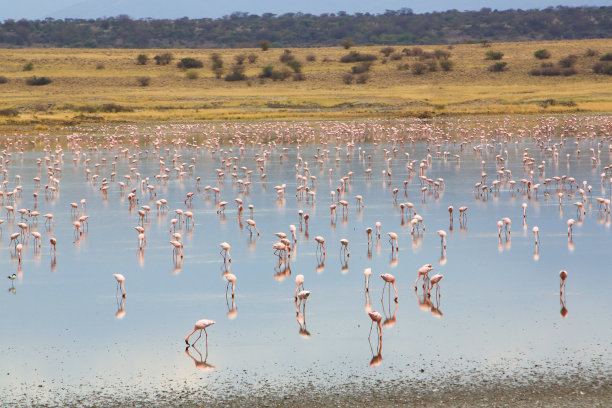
(40, 9)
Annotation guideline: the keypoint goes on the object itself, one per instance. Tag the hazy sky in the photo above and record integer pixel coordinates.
(38, 9)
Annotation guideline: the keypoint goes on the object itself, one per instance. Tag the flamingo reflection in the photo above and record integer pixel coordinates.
(300, 316)
(376, 358)
(200, 362)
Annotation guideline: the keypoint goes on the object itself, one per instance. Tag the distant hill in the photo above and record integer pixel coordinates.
(303, 30)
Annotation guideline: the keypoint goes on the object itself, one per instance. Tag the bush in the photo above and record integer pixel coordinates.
(295, 65)
(361, 68)
(493, 55)
(143, 81)
(355, 56)
(386, 51)
(3, 79)
(362, 78)
(542, 54)
(498, 67)
(396, 56)
(191, 75)
(311, 58)
(142, 59)
(546, 64)
(403, 67)
(236, 74)
(266, 72)
(264, 45)
(100, 66)
(413, 52)
(432, 65)
(240, 58)
(298, 76)
(280, 75)
(346, 44)
(446, 65)
(37, 81)
(441, 54)
(189, 63)
(217, 65)
(347, 78)
(28, 66)
(114, 108)
(602, 68)
(418, 68)
(286, 56)
(568, 61)
(606, 57)
(11, 112)
(252, 58)
(163, 59)
(590, 53)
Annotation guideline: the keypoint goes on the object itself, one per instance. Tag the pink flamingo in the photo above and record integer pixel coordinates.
(563, 276)
(231, 278)
(299, 281)
(225, 252)
(423, 271)
(376, 318)
(199, 325)
(435, 280)
(389, 279)
(392, 239)
(120, 280)
(320, 243)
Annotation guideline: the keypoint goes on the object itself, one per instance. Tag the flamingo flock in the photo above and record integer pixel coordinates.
(244, 154)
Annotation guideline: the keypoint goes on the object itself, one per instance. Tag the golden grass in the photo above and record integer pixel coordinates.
(469, 89)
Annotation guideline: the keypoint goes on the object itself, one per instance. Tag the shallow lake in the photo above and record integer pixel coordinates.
(67, 335)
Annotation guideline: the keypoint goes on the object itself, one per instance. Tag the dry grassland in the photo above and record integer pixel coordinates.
(81, 86)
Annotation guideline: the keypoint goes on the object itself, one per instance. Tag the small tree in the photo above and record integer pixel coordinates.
(346, 44)
(217, 65)
(252, 58)
(38, 81)
(188, 63)
(418, 68)
(498, 67)
(264, 45)
(295, 65)
(494, 55)
(568, 62)
(236, 74)
(163, 59)
(542, 54)
(142, 59)
(386, 51)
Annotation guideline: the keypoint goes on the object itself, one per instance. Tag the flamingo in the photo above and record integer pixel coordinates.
(442, 235)
(120, 280)
(231, 278)
(389, 279)
(225, 252)
(435, 280)
(367, 272)
(563, 276)
(423, 271)
(299, 281)
(199, 325)
(344, 247)
(320, 243)
(376, 318)
(393, 238)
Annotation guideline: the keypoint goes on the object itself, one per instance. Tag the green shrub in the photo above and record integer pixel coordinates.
(542, 54)
(493, 55)
(191, 75)
(142, 59)
(295, 65)
(37, 81)
(266, 72)
(280, 75)
(189, 63)
(498, 67)
(311, 58)
(28, 66)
